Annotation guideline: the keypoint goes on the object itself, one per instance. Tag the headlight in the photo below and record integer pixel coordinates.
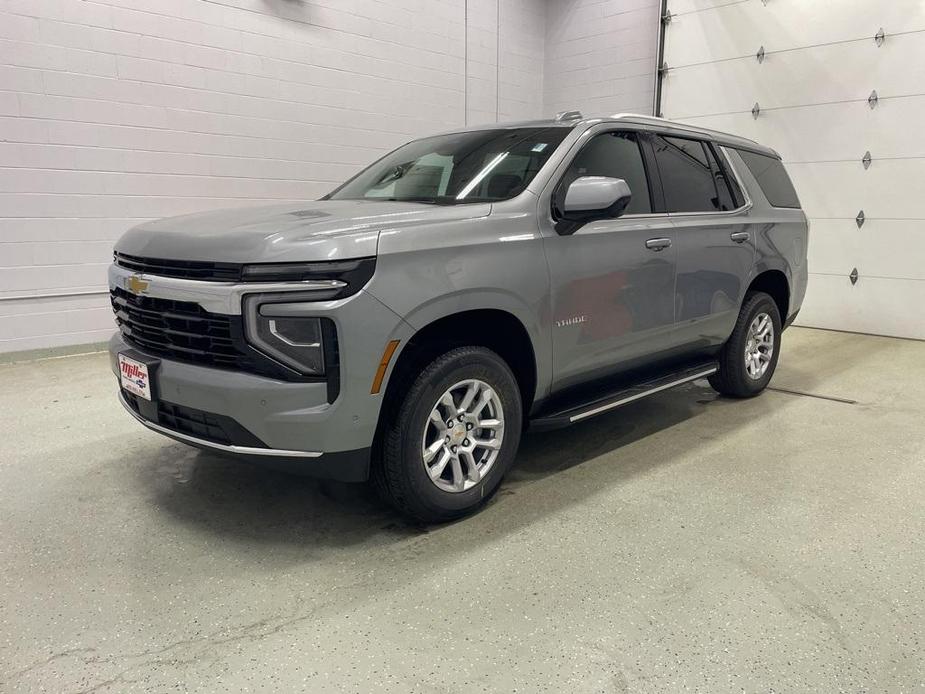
(279, 324)
(275, 326)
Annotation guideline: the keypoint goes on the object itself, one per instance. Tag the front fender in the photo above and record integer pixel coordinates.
(457, 302)
(468, 268)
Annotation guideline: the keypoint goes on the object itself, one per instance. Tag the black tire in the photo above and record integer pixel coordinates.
(399, 474)
(733, 379)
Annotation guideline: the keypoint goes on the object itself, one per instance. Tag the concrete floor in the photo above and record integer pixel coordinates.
(684, 542)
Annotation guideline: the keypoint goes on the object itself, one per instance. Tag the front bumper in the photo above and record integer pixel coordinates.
(200, 436)
(289, 424)
(345, 466)
(283, 425)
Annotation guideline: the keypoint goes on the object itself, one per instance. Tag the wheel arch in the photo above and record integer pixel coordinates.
(774, 282)
(498, 330)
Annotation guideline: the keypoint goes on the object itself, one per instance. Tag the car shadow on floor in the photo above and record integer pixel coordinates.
(248, 503)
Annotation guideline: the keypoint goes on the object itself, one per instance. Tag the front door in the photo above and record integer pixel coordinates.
(612, 281)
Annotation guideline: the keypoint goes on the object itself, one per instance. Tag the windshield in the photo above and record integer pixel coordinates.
(480, 166)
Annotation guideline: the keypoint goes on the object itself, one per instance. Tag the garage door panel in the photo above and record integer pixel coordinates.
(686, 6)
(837, 245)
(873, 305)
(701, 90)
(741, 124)
(848, 130)
(737, 30)
(812, 89)
(826, 74)
(891, 190)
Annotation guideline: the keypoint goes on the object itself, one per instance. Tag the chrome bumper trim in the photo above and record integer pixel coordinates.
(240, 450)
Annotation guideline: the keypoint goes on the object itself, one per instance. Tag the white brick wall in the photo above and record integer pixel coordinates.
(600, 55)
(116, 111)
(517, 60)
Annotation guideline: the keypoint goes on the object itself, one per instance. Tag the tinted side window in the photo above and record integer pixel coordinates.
(687, 175)
(773, 179)
(730, 197)
(616, 155)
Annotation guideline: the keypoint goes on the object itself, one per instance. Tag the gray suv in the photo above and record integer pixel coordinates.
(408, 326)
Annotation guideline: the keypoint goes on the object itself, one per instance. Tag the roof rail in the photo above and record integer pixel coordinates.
(728, 137)
(569, 115)
(640, 116)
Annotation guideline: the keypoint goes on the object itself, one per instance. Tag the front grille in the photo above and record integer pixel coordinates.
(179, 330)
(188, 269)
(200, 424)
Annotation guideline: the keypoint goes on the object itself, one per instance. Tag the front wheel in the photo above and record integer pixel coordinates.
(749, 357)
(453, 437)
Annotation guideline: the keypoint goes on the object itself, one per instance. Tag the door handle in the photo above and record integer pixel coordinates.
(739, 236)
(658, 244)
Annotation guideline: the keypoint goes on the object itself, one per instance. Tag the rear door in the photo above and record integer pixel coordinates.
(715, 241)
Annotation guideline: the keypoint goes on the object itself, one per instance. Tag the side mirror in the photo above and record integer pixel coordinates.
(593, 197)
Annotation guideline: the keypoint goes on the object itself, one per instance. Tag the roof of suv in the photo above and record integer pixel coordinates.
(572, 119)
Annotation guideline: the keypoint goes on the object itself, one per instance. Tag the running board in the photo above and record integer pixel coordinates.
(599, 405)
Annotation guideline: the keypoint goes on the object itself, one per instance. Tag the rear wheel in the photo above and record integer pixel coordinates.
(453, 437)
(749, 357)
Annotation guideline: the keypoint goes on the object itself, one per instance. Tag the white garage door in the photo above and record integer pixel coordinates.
(811, 66)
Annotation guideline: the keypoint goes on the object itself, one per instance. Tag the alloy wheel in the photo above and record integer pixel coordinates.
(463, 435)
(759, 347)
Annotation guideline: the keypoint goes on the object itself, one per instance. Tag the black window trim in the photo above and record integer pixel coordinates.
(645, 133)
(653, 180)
(724, 168)
(725, 162)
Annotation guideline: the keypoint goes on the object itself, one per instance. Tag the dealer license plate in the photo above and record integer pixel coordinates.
(133, 376)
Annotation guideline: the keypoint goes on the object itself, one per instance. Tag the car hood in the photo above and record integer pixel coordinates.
(321, 230)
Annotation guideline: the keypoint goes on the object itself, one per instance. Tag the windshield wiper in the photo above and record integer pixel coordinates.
(425, 200)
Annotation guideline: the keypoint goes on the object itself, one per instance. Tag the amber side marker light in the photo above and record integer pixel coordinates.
(383, 365)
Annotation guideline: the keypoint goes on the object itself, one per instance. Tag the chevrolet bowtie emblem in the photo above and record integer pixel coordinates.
(136, 285)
